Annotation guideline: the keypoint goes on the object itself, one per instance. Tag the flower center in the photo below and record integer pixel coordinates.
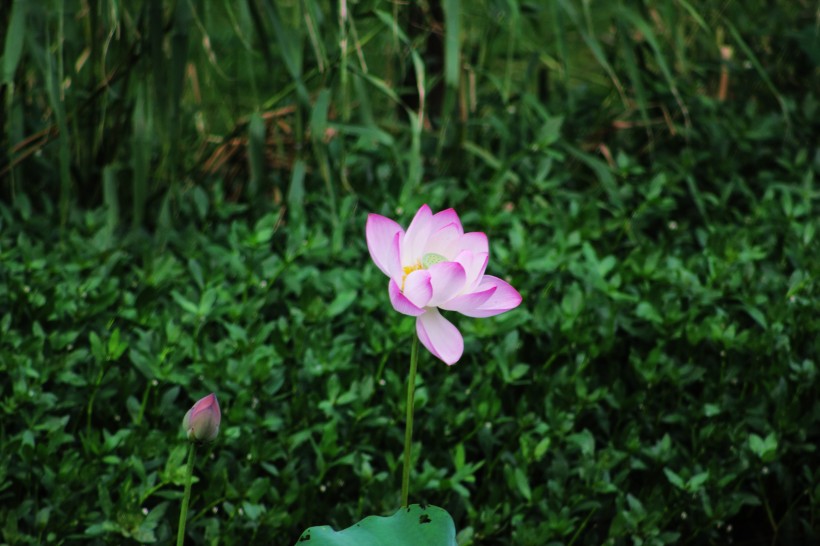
(431, 258)
(427, 260)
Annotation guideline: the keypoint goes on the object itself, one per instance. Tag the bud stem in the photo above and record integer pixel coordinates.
(183, 513)
(408, 426)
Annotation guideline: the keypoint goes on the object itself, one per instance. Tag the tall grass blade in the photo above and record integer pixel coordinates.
(180, 38)
(421, 84)
(512, 38)
(344, 88)
(344, 75)
(388, 21)
(365, 108)
(259, 26)
(296, 207)
(289, 41)
(382, 86)
(318, 128)
(140, 156)
(313, 21)
(14, 133)
(243, 29)
(693, 13)
(660, 59)
(452, 42)
(635, 76)
(256, 155)
(318, 117)
(760, 70)
(415, 169)
(111, 203)
(559, 30)
(296, 193)
(13, 44)
(602, 173)
(12, 51)
(54, 78)
(594, 45)
(156, 37)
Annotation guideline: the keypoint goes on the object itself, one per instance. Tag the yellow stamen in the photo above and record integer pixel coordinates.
(407, 270)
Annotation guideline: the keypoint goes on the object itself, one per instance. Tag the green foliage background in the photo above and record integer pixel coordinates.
(184, 187)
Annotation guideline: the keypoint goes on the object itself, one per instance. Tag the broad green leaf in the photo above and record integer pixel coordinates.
(523, 484)
(765, 448)
(342, 301)
(674, 478)
(541, 448)
(411, 526)
(185, 303)
(758, 316)
(584, 440)
(265, 228)
(645, 310)
(635, 505)
(196, 272)
(696, 481)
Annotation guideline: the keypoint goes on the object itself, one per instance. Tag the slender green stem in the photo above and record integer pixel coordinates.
(183, 513)
(408, 427)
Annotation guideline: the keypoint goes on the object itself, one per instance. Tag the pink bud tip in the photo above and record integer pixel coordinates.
(201, 423)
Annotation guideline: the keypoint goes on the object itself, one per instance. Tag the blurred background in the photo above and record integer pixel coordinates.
(183, 191)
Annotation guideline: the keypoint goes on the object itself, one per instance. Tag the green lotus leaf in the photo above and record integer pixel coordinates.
(411, 526)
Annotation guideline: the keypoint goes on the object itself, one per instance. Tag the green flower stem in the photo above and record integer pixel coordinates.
(408, 427)
(183, 513)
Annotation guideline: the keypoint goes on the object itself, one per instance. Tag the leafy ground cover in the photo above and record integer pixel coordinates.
(645, 173)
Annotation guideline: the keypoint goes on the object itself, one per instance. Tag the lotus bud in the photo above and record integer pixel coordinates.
(201, 423)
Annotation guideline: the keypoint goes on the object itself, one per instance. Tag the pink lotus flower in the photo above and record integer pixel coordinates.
(201, 423)
(435, 265)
